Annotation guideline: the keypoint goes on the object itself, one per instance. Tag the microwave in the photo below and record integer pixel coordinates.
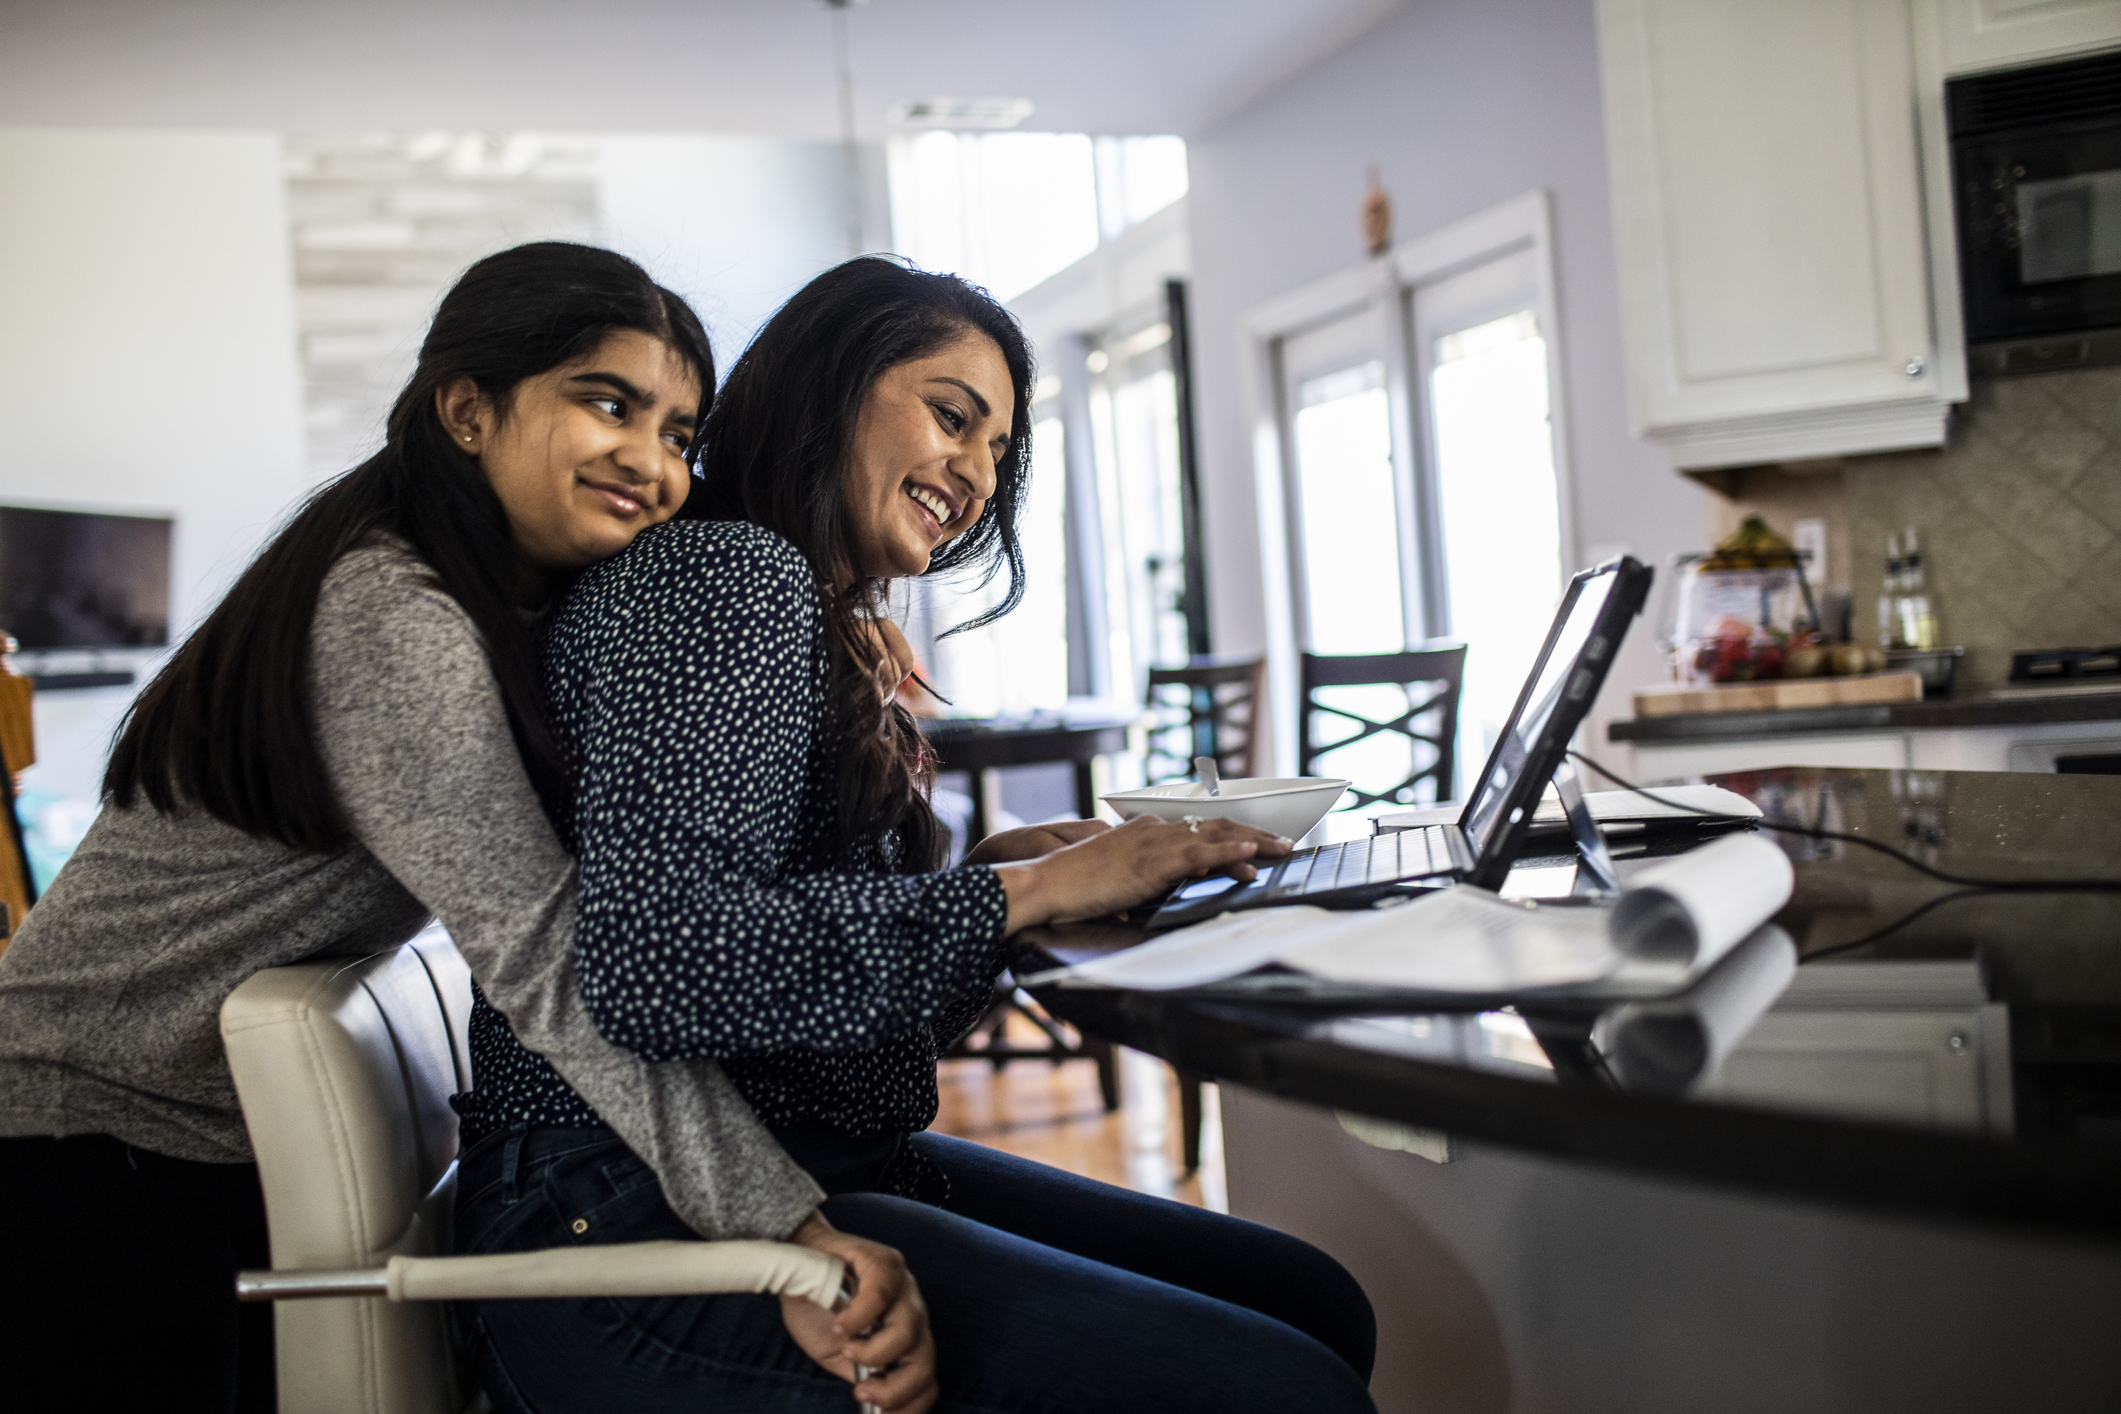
(2036, 190)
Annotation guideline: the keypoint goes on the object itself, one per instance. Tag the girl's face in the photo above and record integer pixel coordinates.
(930, 434)
(589, 454)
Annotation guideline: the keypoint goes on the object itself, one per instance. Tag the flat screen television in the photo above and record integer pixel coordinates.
(74, 580)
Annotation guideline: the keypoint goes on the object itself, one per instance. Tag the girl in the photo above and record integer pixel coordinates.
(756, 852)
(355, 739)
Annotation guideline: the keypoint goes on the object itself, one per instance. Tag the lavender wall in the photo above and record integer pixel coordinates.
(1461, 104)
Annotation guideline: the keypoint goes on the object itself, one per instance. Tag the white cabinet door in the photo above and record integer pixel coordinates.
(1995, 34)
(1768, 217)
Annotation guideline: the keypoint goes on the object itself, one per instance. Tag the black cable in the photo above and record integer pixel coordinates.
(2029, 886)
(1897, 924)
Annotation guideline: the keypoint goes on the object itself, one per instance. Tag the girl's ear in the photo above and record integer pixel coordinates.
(464, 413)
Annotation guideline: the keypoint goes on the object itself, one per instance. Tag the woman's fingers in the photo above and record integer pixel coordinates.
(898, 1336)
(902, 1353)
(1137, 863)
(908, 1389)
(880, 1282)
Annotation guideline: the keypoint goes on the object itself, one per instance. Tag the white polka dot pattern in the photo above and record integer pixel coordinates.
(688, 681)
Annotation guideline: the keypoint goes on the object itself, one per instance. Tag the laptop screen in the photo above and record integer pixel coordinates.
(1550, 677)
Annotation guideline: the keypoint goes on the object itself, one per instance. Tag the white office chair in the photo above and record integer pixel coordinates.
(344, 1069)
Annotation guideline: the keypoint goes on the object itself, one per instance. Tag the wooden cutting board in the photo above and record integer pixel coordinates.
(1780, 693)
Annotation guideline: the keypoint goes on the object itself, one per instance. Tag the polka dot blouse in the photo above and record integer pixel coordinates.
(688, 682)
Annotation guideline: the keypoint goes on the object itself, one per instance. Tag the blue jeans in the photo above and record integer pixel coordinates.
(1047, 1293)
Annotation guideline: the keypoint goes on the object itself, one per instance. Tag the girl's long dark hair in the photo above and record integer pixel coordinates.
(227, 725)
(775, 452)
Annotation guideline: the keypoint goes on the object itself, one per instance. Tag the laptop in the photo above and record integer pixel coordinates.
(1479, 846)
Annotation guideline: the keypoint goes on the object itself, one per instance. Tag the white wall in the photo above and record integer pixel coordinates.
(149, 360)
(1461, 104)
(147, 363)
(735, 224)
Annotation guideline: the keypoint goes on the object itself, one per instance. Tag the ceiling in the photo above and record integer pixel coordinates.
(750, 66)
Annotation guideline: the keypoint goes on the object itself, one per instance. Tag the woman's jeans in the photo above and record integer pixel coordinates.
(1045, 1292)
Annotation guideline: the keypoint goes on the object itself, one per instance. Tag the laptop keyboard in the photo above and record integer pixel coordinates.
(1378, 859)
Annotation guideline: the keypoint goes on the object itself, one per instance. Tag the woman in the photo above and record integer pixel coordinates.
(756, 850)
(355, 739)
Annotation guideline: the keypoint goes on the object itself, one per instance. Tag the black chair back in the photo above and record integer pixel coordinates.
(1206, 708)
(1434, 677)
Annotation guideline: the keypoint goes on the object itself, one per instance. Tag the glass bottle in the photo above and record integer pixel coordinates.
(1918, 621)
(1889, 596)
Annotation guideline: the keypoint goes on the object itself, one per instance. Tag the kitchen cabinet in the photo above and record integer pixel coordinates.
(1973, 35)
(1768, 214)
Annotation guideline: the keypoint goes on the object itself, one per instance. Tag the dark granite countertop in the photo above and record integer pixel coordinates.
(1944, 712)
(1909, 987)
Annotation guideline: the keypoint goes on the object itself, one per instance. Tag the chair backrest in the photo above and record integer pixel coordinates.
(1206, 708)
(345, 1068)
(1434, 678)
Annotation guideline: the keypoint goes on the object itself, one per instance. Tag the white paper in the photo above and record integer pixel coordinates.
(1665, 1046)
(1693, 908)
(1674, 922)
(1459, 940)
(1214, 951)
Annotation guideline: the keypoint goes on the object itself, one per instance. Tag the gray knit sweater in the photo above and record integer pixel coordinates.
(110, 994)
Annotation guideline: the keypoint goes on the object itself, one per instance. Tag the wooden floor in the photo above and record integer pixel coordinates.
(1054, 1115)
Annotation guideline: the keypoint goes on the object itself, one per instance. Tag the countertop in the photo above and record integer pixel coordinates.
(2030, 1030)
(1942, 712)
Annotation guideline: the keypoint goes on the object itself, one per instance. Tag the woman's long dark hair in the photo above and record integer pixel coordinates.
(227, 725)
(776, 451)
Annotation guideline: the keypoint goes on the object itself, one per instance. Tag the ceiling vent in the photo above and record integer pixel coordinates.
(962, 114)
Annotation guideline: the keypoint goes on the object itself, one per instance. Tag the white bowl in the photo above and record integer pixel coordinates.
(1287, 806)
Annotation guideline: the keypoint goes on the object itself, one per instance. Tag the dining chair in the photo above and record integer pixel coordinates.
(1433, 677)
(1209, 707)
(1206, 708)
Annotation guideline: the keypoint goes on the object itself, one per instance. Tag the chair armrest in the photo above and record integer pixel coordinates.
(626, 1269)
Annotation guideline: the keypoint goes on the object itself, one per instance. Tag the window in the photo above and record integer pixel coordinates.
(1007, 210)
(1422, 498)
(1104, 529)
(1136, 178)
(1134, 413)
(1343, 440)
(1490, 439)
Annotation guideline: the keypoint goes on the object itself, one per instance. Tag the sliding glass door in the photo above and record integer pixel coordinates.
(1480, 361)
(1345, 500)
(1421, 494)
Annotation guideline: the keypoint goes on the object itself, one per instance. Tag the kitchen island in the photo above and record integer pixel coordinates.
(1900, 1191)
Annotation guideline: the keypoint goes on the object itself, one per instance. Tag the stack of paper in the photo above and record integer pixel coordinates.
(1670, 926)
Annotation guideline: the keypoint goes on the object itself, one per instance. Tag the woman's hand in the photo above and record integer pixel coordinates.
(1118, 869)
(1033, 841)
(883, 1327)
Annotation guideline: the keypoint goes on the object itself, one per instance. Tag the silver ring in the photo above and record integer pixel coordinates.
(1191, 822)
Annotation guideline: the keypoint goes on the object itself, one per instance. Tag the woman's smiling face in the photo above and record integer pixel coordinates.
(587, 455)
(929, 436)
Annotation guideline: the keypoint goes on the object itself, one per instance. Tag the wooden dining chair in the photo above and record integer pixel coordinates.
(1209, 707)
(1206, 708)
(1434, 677)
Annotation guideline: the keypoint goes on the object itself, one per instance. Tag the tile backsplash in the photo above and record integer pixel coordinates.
(2019, 518)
